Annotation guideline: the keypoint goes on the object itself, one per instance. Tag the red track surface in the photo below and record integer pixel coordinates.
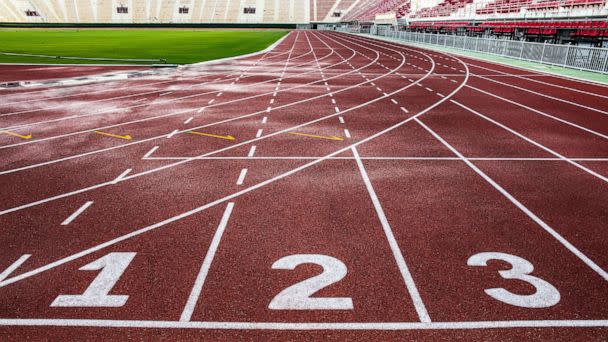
(405, 165)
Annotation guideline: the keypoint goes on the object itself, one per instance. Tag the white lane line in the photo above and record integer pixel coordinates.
(259, 133)
(167, 93)
(152, 150)
(379, 89)
(268, 109)
(453, 81)
(341, 119)
(303, 326)
(337, 109)
(251, 151)
(394, 101)
(272, 101)
(75, 214)
(211, 101)
(241, 177)
(519, 205)
(219, 94)
(202, 274)
(172, 134)
(385, 158)
(327, 88)
(403, 109)
(188, 120)
(264, 119)
(201, 110)
(440, 95)
(403, 268)
(274, 94)
(541, 113)
(121, 176)
(537, 144)
(428, 89)
(140, 100)
(346, 133)
(333, 101)
(385, 94)
(14, 266)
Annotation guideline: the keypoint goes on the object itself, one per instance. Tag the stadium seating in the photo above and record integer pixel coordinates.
(161, 11)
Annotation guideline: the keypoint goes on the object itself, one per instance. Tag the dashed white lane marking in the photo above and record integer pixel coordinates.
(241, 177)
(378, 88)
(264, 119)
(333, 101)
(274, 94)
(271, 101)
(341, 119)
(201, 110)
(75, 214)
(268, 109)
(167, 93)
(327, 88)
(219, 94)
(330, 95)
(337, 109)
(172, 134)
(259, 133)
(140, 100)
(188, 120)
(211, 101)
(440, 95)
(14, 266)
(202, 274)
(372, 83)
(445, 78)
(346, 133)
(121, 176)
(385, 94)
(152, 150)
(394, 101)
(251, 151)
(428, 89)
(403, 109)
(454, 81)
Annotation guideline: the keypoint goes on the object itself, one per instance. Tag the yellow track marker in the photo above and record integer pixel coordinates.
(29, 136)
(317, 136)
(126, 137)
(227, 137)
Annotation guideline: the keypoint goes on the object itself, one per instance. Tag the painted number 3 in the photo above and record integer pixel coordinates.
(546, 295)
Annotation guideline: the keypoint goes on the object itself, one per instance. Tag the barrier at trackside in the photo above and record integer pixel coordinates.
(568, 56)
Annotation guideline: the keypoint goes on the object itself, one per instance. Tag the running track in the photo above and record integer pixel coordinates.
(440, 197)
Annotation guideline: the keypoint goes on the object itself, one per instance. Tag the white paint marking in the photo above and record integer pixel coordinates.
(440, 95)
(74, 215)
(259, 133)
(347, 133)
(241, 177)
(188, 120)
(264, 119)
(337, 109)
(200, 110)
(172, 134)
(403, 268)
(394, 101)
(403, 109)
(272, 101)
(251, 151)
(121, 176)
(14, 266)
(211, 101)
(167, 93)
(152, 150)
(428, 89)
(219, 94)
(202, 274)
(268, 109)
(341, 119)
(333, 101)
(518, 204)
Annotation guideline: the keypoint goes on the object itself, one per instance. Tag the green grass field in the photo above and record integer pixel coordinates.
(176, 46)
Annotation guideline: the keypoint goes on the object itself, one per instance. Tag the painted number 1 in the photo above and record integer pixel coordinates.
(299, 296)
(546, 295)
(112, 266)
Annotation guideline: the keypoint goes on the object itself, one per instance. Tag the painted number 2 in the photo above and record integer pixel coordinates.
(299, 296)
(546, 295)
(112, 266)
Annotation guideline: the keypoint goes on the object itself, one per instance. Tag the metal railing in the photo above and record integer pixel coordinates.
(568, 56)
